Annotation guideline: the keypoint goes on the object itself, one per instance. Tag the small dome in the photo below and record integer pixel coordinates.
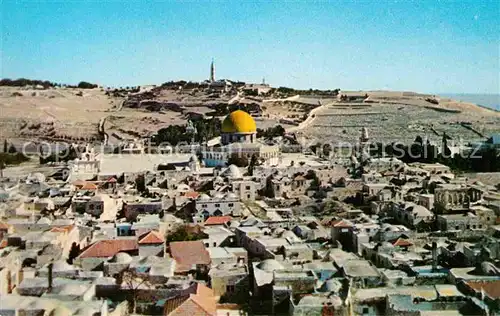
(183, 187)
(232, 172)
(270, 265)
(204, 197)
(44, 221)
(331, 285)
(279, 231)
(60, 311)
(231, 195)
(289, 234)
(62, 265)
(239, 122)
(218, 195)
(219, 179)
(37, 177)
(310, 300)
(84, 311)
(121, 257)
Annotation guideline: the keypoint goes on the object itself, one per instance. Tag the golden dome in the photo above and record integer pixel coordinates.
(239, 122)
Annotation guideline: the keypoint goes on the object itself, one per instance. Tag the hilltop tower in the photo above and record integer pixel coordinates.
(212, 71)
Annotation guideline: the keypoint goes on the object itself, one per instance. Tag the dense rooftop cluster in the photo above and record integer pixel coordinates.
(115, 234)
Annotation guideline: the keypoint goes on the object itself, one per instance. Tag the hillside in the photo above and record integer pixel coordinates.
(71, 114)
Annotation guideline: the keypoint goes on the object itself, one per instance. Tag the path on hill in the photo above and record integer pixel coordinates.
(310, 118)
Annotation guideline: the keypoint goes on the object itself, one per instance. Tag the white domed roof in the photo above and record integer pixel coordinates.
(231, 195)
(288, 234)
(232, 172)
(60, 311)
(270, 265)
(204, 197)
(310, 300)
(279, 231)
(121, 257)
(219, 179)
(183, 187)
(62, 265)
(44, 220)
(386, 245)
(37, 176)
(84, 311)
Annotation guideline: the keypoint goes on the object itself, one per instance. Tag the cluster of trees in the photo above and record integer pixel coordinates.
(175, 134)
(86, 85)
(64, 155)
(185, 233)
(238, 160)
(271, 132)
(222, 109)
(10, 156)
(321, 149)
(290, 91)
(484, 159)
(21, 82)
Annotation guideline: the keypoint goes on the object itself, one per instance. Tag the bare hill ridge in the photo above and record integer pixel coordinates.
(74, 114)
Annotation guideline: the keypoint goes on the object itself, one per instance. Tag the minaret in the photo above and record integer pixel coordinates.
(212, 71)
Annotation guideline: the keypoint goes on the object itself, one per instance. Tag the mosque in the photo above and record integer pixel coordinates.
(239, 136)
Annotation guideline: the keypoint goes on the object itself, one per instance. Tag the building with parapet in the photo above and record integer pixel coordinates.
(239, 137)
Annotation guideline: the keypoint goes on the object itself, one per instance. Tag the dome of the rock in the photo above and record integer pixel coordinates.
(239, 122)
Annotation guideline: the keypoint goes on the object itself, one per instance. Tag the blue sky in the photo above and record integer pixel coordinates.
(425, 46)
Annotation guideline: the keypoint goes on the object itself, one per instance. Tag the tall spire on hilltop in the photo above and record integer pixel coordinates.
(212, 71)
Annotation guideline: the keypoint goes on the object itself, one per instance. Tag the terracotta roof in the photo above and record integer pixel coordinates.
(299, 178)
(490, 288)
(89, 186)
(187, 254)
(112, 180)
(62, 229)
(197, 306)
(192, 194)
(203, 290)
(3, 243)
(217, 220)
(108, 248)
(340, 223)
(151, 237)
(401, 242)
(203, 303)
(78, 183)
(4, 225)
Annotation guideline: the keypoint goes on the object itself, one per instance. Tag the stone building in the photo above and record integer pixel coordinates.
(239, 137)
(459, 222)
(450, 196)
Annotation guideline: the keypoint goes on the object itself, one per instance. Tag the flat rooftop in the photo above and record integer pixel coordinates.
(134, 163)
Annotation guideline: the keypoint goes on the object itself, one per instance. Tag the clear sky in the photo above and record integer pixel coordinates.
(424, 46)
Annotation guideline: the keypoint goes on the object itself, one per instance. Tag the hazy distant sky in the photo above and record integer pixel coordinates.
(425, 46)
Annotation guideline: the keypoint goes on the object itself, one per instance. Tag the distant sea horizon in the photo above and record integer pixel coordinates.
(491, 101)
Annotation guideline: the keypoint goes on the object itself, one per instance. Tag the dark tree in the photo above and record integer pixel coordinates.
(86, 85)
(140, 183)
(252, 164)
(73, 253)
(237, 160)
